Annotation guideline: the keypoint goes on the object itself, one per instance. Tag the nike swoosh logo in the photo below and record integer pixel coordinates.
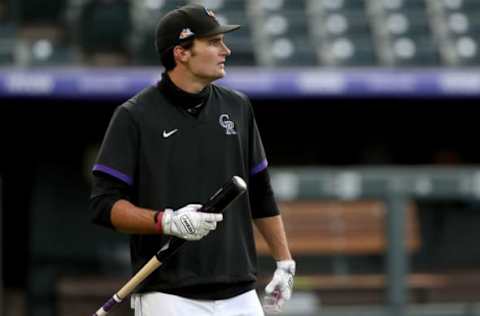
(168, 134)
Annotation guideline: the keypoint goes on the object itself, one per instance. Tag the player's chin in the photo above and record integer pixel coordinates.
(219, 74)
(221, 69)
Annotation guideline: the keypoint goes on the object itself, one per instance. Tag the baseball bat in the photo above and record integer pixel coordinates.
(217, 203)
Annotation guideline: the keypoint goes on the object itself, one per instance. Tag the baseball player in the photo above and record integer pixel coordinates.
(166, 150)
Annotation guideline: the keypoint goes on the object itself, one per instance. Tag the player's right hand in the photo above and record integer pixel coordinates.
(188, 223)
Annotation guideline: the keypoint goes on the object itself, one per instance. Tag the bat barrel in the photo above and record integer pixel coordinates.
(219, 201)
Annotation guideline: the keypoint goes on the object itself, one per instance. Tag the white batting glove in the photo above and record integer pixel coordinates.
(189, 224)
(280, 288)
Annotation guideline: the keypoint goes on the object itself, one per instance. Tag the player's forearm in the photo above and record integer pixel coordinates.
(273, 231)
(129, 218)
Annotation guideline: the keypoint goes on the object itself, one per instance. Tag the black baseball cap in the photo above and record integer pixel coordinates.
(187, 22)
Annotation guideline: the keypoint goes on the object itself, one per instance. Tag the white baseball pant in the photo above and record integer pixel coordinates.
(161, 304)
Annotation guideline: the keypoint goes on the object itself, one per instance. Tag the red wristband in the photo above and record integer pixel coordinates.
(158, 221)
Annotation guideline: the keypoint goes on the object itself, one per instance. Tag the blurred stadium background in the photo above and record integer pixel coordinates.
(369, 114)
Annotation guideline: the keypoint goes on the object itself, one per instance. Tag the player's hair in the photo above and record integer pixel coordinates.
(167, 59)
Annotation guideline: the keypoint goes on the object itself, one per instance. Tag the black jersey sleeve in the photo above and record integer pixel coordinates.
(118, 152)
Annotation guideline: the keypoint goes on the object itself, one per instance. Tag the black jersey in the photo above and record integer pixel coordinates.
(170, 158)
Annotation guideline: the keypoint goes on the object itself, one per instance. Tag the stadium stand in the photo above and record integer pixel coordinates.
(277, 33)
(402, 33)
(35, 12)
(282, 36)
(34, 35)
(7, 44)
(456, 26)
(105, 31)
(341, 33)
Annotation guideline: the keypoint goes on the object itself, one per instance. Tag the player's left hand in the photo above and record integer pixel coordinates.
(280, 287)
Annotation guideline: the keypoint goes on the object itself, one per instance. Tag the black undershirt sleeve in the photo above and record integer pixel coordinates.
(261, 196)
(106, 190)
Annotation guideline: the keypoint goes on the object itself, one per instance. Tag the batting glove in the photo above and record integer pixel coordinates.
(280, 288)
(188, 223)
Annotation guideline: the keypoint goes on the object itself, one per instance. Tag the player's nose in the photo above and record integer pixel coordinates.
(226, 51)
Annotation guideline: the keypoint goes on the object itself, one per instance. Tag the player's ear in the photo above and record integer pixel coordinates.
(181, 54)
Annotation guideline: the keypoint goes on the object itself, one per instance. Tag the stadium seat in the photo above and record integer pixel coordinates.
(407, 5)
(348, 51)
(457, 28)
(292, 51)
(403, 34)
(335, 5)
(466, 5)
(40, 12)
(282, 5)
(149, 12)
(467, 51)
(356, 22)
(282, 23)
(342, 35)
(418, 50)
(46, 53)
(7, 45)
(404, 23)
(463, 34)
(284, 39)
(105, 28)
(167, 5)
(143, 48)
(222, 5)
(411, 38)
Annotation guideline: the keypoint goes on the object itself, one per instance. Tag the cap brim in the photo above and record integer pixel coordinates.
(221, 29)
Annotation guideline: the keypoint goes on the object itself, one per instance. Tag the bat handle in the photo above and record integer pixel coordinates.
(108, 306)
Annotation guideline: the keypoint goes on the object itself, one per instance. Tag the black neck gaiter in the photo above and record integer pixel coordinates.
(190, 102)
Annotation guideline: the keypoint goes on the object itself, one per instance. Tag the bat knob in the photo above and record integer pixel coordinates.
(240, 183)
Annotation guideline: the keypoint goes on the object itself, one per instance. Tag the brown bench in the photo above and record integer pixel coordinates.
(340, 227)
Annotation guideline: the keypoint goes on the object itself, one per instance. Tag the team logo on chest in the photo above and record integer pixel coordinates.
(227, 124)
